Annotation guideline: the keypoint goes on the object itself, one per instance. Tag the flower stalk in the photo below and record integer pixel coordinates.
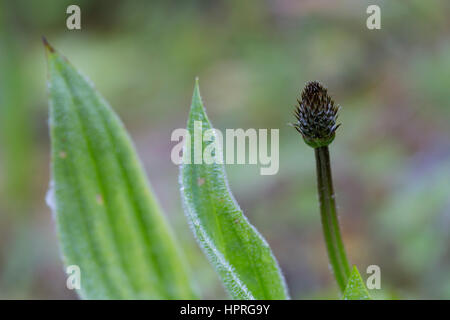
(330, 223)
(316, 116)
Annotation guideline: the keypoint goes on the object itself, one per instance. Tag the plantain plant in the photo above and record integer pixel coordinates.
(316, 115)
(110, 225)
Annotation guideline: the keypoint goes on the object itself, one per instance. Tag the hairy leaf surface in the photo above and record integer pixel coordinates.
(355, 289)
(238, 252)
(108, 221)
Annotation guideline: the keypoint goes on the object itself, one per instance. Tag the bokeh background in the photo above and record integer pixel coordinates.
(391, 157)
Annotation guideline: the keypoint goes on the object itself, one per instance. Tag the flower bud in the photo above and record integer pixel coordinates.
(316, 116)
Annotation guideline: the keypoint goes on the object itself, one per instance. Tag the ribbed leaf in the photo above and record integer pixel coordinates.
(238, 252)
(355, 289)
(108, 221)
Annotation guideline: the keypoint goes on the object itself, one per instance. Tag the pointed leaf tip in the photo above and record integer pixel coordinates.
(240, 255)
(197, 87)
(356, 289)
(47, 46)
(108, 220)
(196, 97)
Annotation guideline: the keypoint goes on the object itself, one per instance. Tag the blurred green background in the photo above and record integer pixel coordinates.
(391, 157)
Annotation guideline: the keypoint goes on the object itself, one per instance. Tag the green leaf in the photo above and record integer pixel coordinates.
(109, 223)
(355, 289)
(238, 252)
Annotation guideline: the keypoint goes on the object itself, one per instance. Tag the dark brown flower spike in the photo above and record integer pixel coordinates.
(316, 115)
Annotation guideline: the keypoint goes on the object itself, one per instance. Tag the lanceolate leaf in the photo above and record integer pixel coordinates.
(109, 223)
(239, 253)
(355, 289)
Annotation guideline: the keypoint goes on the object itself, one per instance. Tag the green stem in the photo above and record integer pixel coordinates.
(330, 224)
